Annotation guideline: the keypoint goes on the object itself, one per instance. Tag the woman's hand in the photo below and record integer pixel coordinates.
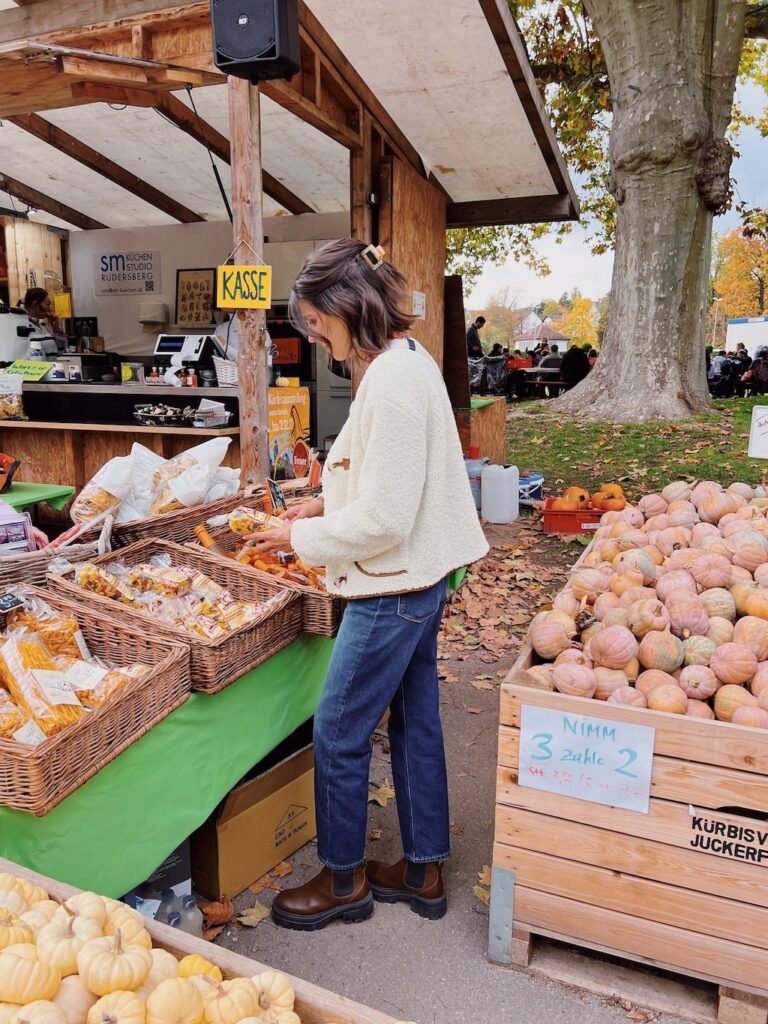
(306, 510)
(271, 540)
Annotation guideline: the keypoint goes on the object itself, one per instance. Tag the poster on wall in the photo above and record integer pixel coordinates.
(127, 273)
(288, 425)
(195, 297)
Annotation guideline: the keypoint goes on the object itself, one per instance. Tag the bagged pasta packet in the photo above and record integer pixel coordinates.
(185, 480)
(106, 582)
(250, 520)
(59, 633)
(104, 492)
(12, 717)
(11, 401)
(92, 682)
(37, 685)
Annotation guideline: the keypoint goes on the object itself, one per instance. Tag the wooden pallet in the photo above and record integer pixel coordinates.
(632, 884)
(314, 1005)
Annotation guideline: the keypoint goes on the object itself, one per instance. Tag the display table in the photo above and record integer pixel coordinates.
(22, 496)
(115, 830)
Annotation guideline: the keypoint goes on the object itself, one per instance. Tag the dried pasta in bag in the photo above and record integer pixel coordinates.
(59, 633)
(12, 718)
(35, 682)
(103, 492)
(251, 520)
(97, 580)
(11, 402)
(93, 684)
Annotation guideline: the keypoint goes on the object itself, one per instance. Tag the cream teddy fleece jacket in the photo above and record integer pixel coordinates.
(399, 513)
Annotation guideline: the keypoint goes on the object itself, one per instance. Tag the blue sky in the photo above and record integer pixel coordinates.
(573, 265)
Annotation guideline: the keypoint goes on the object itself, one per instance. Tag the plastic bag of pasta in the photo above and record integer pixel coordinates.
(59, 633)
(104, 492)
(37, 685)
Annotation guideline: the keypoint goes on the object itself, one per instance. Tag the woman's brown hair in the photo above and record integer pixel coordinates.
(339, 281)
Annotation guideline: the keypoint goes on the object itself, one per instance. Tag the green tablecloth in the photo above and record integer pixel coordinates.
(21, 496)
(112, 833)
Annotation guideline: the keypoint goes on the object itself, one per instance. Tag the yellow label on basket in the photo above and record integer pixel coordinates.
(243, 287)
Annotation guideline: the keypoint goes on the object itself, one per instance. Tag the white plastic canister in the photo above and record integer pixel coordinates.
(500, 491)
(474, 467)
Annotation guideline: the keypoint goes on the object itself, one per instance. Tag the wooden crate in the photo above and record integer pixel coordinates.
(314, 1005)
(485, 428)
(632, 884)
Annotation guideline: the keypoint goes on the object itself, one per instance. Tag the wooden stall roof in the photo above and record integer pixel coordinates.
(446, 83)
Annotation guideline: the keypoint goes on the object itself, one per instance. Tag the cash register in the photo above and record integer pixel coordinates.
(194, 351)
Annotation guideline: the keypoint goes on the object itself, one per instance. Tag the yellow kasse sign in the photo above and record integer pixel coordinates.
(244, 287)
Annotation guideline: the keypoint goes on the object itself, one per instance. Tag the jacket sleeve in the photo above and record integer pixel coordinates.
(390, 486)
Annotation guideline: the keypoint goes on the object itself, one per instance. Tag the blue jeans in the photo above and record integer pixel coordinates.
(385, 657)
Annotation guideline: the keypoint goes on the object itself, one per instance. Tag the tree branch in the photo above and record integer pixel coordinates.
(563, 74)
(756, 26)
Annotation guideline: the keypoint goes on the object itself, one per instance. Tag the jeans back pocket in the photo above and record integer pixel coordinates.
(420, 605)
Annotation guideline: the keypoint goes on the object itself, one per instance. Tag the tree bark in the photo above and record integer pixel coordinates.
(672, 66)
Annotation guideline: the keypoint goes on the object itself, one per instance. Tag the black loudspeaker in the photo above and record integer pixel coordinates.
(256, 39)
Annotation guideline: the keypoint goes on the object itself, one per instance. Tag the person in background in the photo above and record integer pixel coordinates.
(474, 345)
(553, 359)
(496, 351)
(717, 364)
(574, 366)
(592, 357)
(38, 306)
(395, 518)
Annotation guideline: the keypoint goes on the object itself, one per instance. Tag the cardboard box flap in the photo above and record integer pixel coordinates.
(255, 790)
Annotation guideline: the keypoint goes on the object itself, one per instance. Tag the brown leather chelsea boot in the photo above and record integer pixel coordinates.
(421, 885)
(326, 897)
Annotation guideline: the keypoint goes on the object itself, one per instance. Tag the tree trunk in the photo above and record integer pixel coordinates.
(672, 66)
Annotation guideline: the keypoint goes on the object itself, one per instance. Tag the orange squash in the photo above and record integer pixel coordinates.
(577, 494)
(671, 699)
(564, 505)
(614, 489)
(730, 697)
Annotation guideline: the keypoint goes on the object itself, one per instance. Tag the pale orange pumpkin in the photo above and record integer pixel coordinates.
(638, 562)
(756, 602)
(627, 696)
(613, 647)
(686, 614)
(566, 601)
(756, 718)
(718, 602)
(668, 698)
(652, 678)
(604, 603)
(699, 682)
(652, 505)
(644, 616)
(698, 650)
(759, 682)
(575, 680)
(616, 617)
(655, 523)
(550, 636)
(753, 633)
(699, 709)
(720, 631)
(677, 579)
(624, 580)
(678, 490)
(701, 530)
(711, 571)
(608, 681)
(728, 698)
(733, 663)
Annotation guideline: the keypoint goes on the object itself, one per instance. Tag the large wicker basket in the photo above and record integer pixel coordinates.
(214, 663)
(36, 779)
(31, 567)
(321, 612)
(178, 526)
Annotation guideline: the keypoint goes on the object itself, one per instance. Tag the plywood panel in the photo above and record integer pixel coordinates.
(31, 250)
(412, 231)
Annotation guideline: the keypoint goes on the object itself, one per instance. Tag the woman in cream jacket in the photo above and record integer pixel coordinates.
(396, 517)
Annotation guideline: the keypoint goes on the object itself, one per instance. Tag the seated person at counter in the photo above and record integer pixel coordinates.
(38, 306)
(552, 360)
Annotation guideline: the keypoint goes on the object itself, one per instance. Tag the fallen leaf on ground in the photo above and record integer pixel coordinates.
(382, 795)
(253, 916)
(217, 913)
(482, 894)
(264, 883)
(449, 677)
(282, 869)
(640, 1015)
(484, 876)
(474, 711)
(483, 684)
(374, 834)
(456, 829)
(209, 934)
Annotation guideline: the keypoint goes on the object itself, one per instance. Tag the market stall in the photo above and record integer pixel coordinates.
(633, 759)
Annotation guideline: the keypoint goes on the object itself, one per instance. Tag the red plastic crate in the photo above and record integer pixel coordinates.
(583, 521)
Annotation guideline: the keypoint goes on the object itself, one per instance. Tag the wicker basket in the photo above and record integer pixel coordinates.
(36, 779)
(227, 373)
(320, 612)
(214, 663)
(31, 567)
(178, 526)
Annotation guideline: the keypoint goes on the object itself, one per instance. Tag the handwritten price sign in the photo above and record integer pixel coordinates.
(587, 758)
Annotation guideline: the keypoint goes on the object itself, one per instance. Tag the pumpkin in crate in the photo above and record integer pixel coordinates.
(578, 495)
(175, 1001)
(107, 965)
(40, 1012)
(730, 697)
(733, 663)
(24, 978)
(117, 1008)
(659, 649)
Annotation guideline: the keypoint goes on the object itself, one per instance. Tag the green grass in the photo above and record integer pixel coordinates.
(641, 457)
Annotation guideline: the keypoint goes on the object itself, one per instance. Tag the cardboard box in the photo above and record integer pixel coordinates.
(261, 822)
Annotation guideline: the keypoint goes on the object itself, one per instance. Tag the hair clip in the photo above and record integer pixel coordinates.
(373, 255)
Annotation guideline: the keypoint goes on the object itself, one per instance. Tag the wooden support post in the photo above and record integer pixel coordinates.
(361, 186)
(737, 1007)
(245, 134)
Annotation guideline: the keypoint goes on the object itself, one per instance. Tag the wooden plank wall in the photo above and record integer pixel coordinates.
(31, 250)
(412, 223)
